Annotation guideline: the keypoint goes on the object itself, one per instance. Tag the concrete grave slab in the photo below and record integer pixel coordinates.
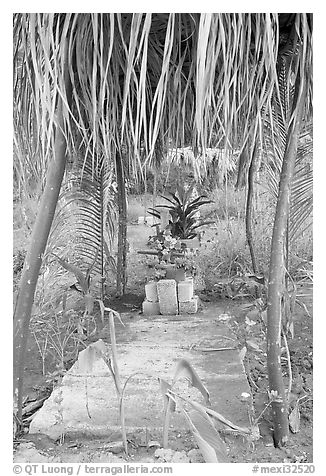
(167, 295)
(148, 348)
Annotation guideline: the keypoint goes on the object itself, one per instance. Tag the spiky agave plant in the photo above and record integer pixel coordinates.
(183, 211)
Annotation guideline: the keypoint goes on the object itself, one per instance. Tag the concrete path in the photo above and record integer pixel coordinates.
(148, 348)
(154, 345)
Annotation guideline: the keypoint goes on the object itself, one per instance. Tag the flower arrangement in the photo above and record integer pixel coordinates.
(166, 246)
(172, 250)
(188, 261)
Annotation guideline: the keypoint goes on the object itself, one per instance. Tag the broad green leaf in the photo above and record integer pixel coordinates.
(154, 213)
(220, 418)
(88, 356)
(185, 369)
(206, 436)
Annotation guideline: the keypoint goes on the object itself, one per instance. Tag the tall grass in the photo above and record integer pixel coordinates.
(224, 251)
(226, 203)
(138, 206)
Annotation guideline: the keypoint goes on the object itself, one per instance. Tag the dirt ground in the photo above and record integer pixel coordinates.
(144, 446)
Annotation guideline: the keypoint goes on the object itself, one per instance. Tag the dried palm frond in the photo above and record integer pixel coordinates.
(182, 79)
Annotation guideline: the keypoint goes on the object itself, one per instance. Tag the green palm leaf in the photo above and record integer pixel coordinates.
(276, 127)
(84, 223)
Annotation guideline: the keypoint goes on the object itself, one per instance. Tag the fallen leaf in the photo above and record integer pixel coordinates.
(294, 419)
(242, 353)
(152, 444)
(253, 345)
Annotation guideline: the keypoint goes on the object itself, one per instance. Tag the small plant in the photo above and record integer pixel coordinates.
(112, 364)
(99, 348)
(18, 261)
(184, 211)
(58, 337)
(84, 282)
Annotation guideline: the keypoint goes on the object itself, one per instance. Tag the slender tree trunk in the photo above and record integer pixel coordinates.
(102, 234)
(154, 187)
(145, 193)
(122, 228)
(276, 278)
(249, 208)
(33, 259)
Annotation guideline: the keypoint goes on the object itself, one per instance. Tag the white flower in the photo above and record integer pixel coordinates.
(244, 396)
(224, 317)
(249, 322)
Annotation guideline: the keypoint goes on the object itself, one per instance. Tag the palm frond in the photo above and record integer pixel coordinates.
(84, 223)
(302, 186)
(302, 189)
(294, 55)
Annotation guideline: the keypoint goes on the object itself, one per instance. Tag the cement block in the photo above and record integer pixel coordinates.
(189, 307)
(185, 290)
(167, 295)
(151, 308)
(178, 274)
(151, 291)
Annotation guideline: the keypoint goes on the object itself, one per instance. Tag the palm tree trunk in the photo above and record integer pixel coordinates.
(249, 208)
(277, 275)
(145, 193)
(122, 228)
(33, 261)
